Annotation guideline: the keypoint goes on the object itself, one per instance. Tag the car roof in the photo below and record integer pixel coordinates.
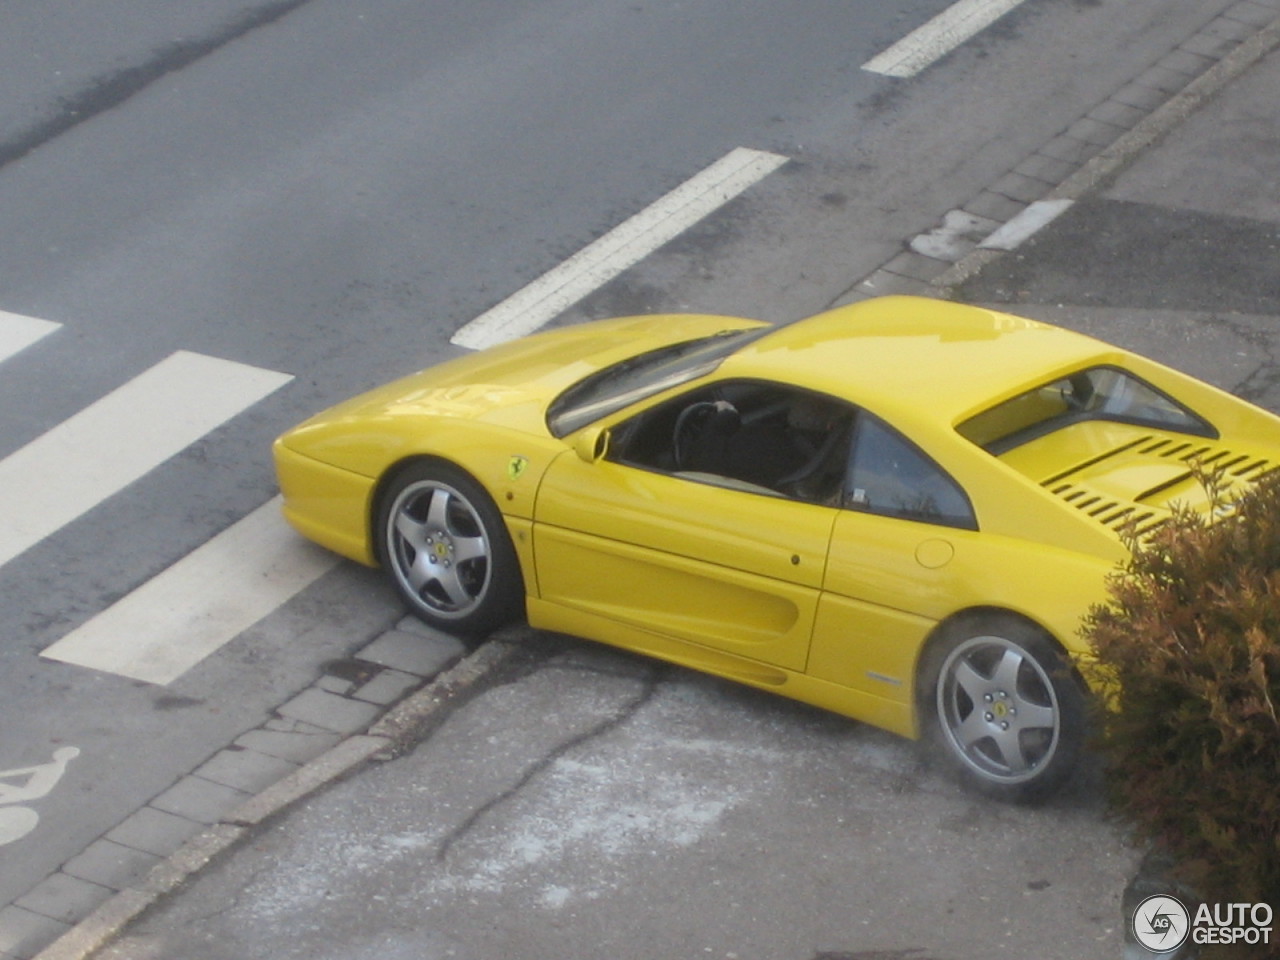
(918, 358)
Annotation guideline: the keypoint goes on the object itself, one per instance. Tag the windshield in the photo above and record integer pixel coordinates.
(1099, 393)
(643, 376)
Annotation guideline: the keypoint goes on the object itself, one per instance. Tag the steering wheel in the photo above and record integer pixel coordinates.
(699, 424)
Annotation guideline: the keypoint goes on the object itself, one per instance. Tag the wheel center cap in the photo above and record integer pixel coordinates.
(440, 549)
(1000, 709)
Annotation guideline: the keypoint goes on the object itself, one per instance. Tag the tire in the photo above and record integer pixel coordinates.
(446, 549)
(1007, 712)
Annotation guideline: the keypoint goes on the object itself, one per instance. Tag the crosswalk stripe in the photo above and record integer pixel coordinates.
(625, 245)
(938, 37)
(114, 441)
(18, 332)
(179, 617)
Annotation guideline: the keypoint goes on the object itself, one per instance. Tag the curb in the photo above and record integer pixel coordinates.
(1126, 148)
(393, 731)
(1076, 162)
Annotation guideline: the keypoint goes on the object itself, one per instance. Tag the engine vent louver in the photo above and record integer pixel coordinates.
(1237, 466)
(1239, 470)
(1110, 512)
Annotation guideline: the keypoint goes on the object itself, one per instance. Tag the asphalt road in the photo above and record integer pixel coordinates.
(652, 812)
(328, 191)
(327, 194)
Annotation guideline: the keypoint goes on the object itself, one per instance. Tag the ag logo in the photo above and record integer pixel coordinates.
(1161, 924)
(516, 467)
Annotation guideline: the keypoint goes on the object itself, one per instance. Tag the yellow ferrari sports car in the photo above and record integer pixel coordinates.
(898, 510)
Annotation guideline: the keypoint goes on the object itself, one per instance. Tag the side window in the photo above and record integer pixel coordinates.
(747, 435)
(891, 477)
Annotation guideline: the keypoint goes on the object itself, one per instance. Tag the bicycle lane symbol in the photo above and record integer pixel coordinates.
(24, 784)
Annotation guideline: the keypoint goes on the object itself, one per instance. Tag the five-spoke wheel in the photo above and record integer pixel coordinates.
(446, 548)
(1009, 712)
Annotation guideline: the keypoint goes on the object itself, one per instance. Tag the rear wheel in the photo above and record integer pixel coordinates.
(446, 548)
(1008, 711)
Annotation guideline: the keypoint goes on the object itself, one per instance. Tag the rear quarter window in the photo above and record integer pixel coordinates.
(890, 476)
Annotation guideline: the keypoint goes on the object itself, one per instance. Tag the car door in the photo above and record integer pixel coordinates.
(890, 573)
(709, 556)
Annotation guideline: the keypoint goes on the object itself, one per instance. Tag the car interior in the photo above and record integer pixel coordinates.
(753, 436)
(783, 441)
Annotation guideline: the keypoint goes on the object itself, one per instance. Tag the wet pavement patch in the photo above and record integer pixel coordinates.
(1114, 253)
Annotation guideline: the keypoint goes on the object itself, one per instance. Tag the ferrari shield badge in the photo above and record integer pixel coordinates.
(516, 467)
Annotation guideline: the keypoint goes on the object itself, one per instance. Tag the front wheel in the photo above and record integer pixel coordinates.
(446, 548)
(1008, 711)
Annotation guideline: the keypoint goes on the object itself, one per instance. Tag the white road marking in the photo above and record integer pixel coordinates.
(18, 332)
(202, 602)
(627, 244)
(24, 784)
(114, 441)
(938, 37)
(1021, 228)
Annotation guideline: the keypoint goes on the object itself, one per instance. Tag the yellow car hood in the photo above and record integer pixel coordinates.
(507, 387)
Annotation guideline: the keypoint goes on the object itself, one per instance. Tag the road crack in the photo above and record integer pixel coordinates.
(110, 90)
(1265, 377)
(621, 716)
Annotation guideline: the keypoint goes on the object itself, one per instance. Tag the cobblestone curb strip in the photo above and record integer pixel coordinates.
(453, 672)
(1077, 161)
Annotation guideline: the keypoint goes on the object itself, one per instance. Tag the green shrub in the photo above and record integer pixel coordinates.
(1191, 640)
